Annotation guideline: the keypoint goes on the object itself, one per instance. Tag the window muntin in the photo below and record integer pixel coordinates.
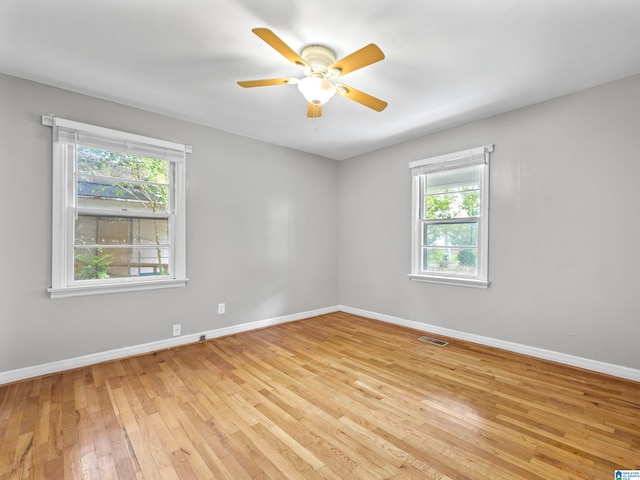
(450, 231)
(118, 211)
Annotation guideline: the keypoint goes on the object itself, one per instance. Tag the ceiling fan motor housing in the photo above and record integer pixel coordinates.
(318, 57)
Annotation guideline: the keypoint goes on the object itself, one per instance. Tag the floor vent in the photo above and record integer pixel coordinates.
(440, 343)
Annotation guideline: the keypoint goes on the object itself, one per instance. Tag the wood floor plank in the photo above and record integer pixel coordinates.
(331, 397)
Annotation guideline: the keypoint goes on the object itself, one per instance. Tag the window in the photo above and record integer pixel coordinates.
(450, 218)
(118, 211)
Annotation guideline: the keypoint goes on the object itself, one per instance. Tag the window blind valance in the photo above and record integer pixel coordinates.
(68, 131)
(463, 158)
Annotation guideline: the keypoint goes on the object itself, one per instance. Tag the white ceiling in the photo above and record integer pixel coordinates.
(447, 61)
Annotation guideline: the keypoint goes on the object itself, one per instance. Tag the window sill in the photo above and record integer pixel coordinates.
(82, 290)
(456, 281)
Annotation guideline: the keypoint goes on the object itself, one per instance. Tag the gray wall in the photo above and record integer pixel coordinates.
(564, 238)
(273, 232)
(262, 234)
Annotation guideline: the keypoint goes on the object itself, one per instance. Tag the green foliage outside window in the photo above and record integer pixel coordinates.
(439, 206)
(471, 203)
(453, 202)
(94, 266)
(467, 257)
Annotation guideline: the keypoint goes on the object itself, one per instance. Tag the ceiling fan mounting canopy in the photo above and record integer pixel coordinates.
(319, 65)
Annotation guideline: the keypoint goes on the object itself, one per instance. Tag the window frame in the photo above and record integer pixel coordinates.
(420, 169)
(65, 209)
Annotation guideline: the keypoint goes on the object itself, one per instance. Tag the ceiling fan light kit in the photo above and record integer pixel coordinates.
(316, 89)
(319, 66)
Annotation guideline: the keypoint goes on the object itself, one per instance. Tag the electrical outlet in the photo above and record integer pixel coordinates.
(177, 330)
(221, 308)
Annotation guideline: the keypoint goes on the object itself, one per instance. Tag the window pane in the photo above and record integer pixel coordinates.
(119, 181)
(460, 261)
(453, 204)
(99, 230)
(147, 231)
(114, 194)
(450, 234)
(453, 193)
(113, 262)
(149, 261)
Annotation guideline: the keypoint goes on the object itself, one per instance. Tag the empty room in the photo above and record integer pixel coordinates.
(320, 240)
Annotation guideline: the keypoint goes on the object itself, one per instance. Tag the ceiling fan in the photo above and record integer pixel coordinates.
(319, 66)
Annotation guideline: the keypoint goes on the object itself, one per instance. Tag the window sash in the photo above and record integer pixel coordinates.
(424, 244)
(127, 203)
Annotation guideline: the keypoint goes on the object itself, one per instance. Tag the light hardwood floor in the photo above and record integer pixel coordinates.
(336, 396)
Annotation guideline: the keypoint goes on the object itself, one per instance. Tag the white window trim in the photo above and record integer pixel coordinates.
(474, 156)
(63, 197)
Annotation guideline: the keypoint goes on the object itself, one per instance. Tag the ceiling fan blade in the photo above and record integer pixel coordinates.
(361, 97)
(276, 43)
(314, 111)
(264, 83)
(358, 59)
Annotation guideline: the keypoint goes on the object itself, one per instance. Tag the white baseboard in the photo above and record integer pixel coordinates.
(68, 364)
(581, 362)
